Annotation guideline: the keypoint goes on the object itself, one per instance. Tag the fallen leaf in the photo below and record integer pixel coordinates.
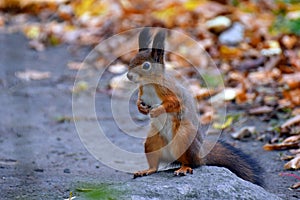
(211, 9)
(33, 32)
(117, 68)
(2, 21)
(260, 77)
(289, 41)
(295, 151)
(296, 111)
(80, 87)
(288, 143)
(36, 45)
(287, 157)
(291, 122)
(218, 24)
(292, 139)
(293, 164)
(33, 75)
(295, 185)
(75, 65)
(198, 92)
(292, 80)
(243, 97)
(284, 103)
(280, 146)
(207, 117)
(260, 110)
(271, 64)
(272, 49)
(227, 94)
(230, 52)
(226, 124)
(294, 59)
(251, 64)
(65, 12)
(293, 96)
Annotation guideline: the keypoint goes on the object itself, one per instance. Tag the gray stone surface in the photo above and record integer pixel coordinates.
(207, 182)
(234, 35)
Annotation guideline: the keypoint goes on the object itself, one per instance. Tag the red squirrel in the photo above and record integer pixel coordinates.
(174, 136)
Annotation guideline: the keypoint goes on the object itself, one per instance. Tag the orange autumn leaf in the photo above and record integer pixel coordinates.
(292, 80)
(293, 96)
(230, 52)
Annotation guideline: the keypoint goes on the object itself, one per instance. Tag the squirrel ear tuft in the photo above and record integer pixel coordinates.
(158, 47)
(144, 39)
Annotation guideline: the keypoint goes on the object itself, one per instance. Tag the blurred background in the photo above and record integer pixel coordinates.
(254, 43)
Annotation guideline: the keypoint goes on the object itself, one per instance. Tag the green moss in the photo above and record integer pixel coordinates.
(283, 25)
(99, 191)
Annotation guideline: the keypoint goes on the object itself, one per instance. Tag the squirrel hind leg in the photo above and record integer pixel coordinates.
(144, 172)
(183, 170)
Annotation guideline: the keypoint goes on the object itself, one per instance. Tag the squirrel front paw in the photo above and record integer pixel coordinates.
(143, 108)
(155, 112)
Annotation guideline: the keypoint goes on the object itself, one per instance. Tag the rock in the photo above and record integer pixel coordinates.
(207, 182)
(218, 24)
(67, 171)
(234, 35)
(244, 132)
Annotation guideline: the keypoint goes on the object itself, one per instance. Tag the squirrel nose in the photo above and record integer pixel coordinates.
(129, 76)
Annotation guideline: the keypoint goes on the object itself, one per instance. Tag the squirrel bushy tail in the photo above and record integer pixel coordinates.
(225, 155)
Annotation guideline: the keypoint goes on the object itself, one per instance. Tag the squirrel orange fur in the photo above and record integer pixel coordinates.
(174, 136)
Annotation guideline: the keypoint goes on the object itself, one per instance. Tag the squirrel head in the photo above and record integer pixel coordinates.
(148, 64)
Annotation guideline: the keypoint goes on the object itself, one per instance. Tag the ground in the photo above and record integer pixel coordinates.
(42, 156)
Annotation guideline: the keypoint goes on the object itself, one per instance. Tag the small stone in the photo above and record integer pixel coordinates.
(218, 24)
(234, 35)
(244, 132)
(67, 171)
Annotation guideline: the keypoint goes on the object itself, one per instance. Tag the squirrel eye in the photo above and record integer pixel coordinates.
(146, 66)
